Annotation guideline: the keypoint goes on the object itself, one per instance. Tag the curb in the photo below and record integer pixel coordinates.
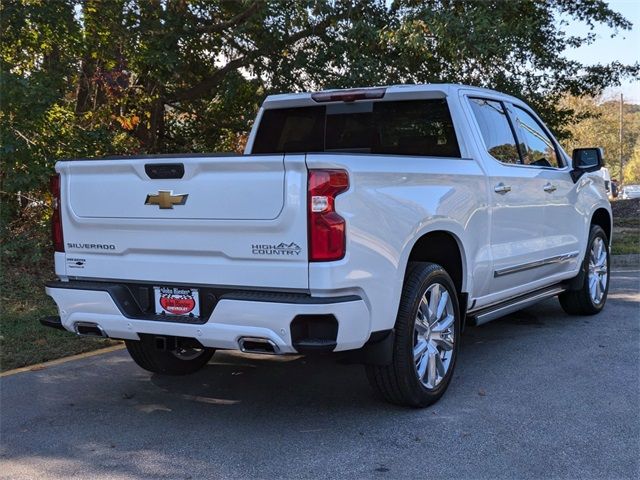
(58, 361)
(630, 260)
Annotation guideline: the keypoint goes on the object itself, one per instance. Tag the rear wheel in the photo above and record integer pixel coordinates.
(591, 296)
(427, 335)
(183, 359)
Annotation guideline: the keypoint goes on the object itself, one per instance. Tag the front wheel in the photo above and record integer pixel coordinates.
(591, 296)
(181, 360)
(427, 336)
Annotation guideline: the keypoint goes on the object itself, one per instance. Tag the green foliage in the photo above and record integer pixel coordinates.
(598, 125)
(632, 166)
(94, 77)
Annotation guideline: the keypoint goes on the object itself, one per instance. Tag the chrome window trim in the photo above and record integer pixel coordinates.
(547, 132)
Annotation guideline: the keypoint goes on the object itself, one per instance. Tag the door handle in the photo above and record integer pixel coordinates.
(549, 188)
(502, 188)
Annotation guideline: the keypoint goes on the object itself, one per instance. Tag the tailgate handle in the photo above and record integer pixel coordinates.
(164, 170)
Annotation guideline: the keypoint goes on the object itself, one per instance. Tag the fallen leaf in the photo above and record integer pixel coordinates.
(481, 392)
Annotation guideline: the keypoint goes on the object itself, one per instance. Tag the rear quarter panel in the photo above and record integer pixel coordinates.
(392, 201)
(590, 195)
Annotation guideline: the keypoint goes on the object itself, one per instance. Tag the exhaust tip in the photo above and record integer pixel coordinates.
(89, 329)
(257, 345)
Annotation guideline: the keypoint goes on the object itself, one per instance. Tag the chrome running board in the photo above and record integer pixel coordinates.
(486, 314)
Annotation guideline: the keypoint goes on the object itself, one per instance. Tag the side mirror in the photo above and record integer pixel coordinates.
(585, 160)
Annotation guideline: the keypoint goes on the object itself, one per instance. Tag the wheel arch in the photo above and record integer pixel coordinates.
(445, 248)
(437, 245)
(602, 217)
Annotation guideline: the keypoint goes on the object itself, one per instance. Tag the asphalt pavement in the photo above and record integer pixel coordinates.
(537, 394)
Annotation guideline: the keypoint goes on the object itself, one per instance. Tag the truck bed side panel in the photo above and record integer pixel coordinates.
(392, 201)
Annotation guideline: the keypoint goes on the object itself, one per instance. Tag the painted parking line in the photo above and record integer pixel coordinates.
(80, 356)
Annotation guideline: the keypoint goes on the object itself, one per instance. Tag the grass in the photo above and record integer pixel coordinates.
(626, 227)
(23, 341)
(625, 241)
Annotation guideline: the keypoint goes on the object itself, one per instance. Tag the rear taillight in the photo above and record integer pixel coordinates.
(327, 239)
(56, 220)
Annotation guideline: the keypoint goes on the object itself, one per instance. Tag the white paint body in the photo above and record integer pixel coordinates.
(237, 202)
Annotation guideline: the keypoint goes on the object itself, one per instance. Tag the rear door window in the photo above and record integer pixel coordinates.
(412, 127)
(540, 150)
(496, 130)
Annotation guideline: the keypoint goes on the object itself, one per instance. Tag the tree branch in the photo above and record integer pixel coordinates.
(216, 78)
(241, 17)
(208, 83)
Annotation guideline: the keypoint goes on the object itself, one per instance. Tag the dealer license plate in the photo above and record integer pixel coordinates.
(177, 301)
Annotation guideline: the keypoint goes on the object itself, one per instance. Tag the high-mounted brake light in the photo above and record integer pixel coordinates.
(349, 95)
(327, 236)
(56, 220)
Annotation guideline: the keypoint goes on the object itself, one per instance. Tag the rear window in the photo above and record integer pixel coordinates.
(411, 127)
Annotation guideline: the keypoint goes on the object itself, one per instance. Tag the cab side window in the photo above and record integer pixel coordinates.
(539, 150)
(495, 129)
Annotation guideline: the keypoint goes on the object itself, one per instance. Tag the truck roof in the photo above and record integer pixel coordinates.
(392, 92)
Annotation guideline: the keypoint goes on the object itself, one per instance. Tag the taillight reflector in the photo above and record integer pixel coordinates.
(327, 234)
(56, 220)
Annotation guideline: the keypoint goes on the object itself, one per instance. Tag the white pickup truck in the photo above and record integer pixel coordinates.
(378, 221)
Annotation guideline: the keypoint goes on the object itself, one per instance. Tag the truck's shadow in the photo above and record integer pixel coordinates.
(297, 384)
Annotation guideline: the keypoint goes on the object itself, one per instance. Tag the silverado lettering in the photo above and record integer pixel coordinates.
(91, 246)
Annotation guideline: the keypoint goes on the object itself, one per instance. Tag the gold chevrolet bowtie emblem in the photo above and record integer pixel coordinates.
(166, 199)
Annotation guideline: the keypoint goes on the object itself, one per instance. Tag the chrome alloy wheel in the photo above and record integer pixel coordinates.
(434, 336)
(598, 270)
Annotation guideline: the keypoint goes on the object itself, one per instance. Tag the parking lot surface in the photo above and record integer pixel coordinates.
(536, 394)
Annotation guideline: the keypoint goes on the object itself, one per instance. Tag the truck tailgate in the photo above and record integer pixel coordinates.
(228, 221)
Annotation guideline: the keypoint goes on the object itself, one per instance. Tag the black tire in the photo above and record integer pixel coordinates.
(580, 301)
(145, 353)
(398, 382)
